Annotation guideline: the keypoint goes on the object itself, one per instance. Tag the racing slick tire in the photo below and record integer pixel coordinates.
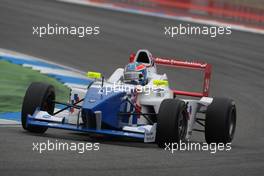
(37, 95)
(171, 122)
(220, 122)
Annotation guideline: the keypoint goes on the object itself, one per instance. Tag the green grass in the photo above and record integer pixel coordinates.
(14, 80)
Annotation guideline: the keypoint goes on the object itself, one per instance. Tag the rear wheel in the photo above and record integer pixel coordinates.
(171, 122)
(38, 95)
(220, 122)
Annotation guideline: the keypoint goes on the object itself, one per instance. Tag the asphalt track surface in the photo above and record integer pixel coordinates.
(238, 64)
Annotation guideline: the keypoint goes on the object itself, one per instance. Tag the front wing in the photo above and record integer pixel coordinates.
(146, 135)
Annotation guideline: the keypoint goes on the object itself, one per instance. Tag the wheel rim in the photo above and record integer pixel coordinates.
(232, 123)
(48, 104)
(182, 126)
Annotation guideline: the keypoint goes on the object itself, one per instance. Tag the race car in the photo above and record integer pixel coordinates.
(135, 102)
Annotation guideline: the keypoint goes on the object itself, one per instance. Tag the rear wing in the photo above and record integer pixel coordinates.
(205, 67)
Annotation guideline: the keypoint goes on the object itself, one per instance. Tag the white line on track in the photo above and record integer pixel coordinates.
(8, 122)
(28, 57)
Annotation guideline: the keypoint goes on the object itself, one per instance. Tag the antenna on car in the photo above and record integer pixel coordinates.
(102, 85)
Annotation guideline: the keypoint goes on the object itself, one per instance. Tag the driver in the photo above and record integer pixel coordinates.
(135, 73)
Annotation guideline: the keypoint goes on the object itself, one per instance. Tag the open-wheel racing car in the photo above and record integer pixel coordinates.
(134, 102)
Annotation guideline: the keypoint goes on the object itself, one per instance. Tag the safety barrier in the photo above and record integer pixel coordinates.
(220, 9)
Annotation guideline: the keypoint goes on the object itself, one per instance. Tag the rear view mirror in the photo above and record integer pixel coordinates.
(94, 75)
(160, 82)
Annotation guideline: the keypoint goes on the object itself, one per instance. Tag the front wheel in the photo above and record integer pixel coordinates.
(171, 122)
(38, 95)
(220, 122)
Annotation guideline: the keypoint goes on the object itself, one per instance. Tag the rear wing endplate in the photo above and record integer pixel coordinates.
(205, 67)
